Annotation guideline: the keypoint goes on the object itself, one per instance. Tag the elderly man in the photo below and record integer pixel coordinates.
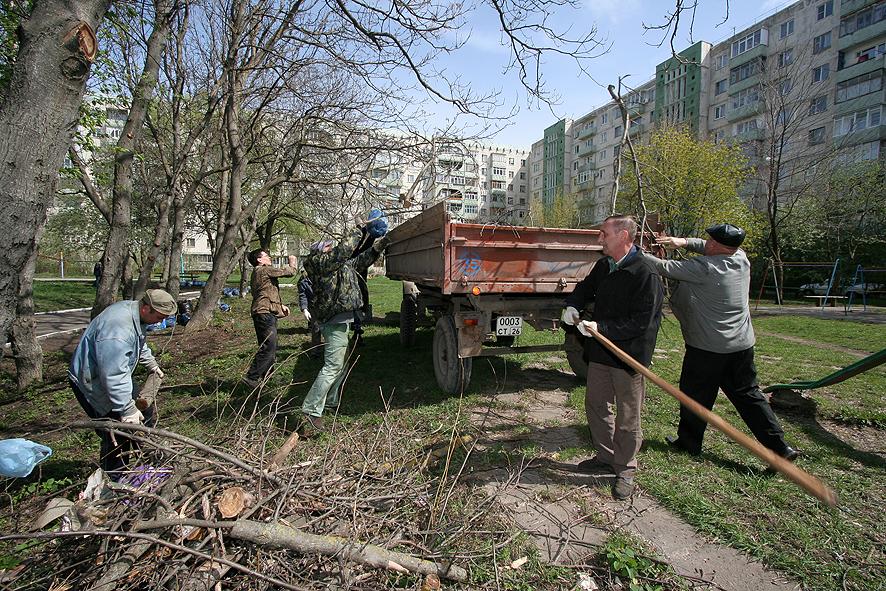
(267, 307)
(101, 369)
(335, 274)
(711, 302)
(627, 296)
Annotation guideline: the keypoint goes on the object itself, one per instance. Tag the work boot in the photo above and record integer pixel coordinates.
(595, 466)
(250, 383)
(310, 426)
(622, 488)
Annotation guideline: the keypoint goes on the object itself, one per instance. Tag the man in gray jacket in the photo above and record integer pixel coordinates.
(710, 300)
(102, 366)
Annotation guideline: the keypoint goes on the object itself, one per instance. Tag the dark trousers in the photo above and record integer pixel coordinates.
(114, 450)
(266, 334)
(704, 374)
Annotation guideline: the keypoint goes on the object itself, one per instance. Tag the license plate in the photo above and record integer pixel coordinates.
(508, 325)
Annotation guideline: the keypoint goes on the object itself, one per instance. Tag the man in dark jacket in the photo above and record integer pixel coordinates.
(627, 296)
(333, 272)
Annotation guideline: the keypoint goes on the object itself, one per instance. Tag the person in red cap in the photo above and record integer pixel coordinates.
(710, 300)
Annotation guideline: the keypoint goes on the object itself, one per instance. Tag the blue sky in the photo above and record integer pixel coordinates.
(632, 52)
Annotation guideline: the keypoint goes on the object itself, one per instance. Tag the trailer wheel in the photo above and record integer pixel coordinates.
(453, 374)
(575, 352)
(408, 320)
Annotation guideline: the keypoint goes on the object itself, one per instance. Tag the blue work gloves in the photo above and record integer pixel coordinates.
(377, 223)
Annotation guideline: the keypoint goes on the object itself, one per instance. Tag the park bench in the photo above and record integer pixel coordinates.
(832, 299)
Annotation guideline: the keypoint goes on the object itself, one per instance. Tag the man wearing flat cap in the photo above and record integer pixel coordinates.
(102, 366)
(711, 302)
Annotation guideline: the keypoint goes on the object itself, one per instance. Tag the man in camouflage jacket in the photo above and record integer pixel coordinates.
(334, 273)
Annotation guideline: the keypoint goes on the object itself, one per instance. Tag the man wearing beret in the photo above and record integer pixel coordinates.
(711, 302)
(102, 366)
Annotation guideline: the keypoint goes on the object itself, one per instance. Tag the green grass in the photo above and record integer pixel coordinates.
(62, 295)
(726, 494)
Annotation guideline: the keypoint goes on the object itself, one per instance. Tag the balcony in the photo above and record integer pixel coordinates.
(585, 168)
(584, 150)
(636, 129)
(861, 35)
(865, 66)
(757, 52)
(858, 103)
(586, 132)
(746, 83)
(862, 136)
(744, 111)
(850, 6)
(748, 136)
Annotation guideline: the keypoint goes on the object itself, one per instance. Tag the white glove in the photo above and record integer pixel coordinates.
(570, 316)
(307, 314)
(285, 311)
(584, 325)
(133, 416)
(159, 372)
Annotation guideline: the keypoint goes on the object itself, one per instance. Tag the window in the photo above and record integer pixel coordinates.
(862, 19)
(787, 28)
(760, 36)
(785, 58)
(720, 111)
(818, 105)
(745, 97)
(816, 136)
(785, 86)
(719, 135)
(469, 208)
(859, 86)
(498, 184)
(745, 71)
(618, 131)
(720, 86)
(825, 10)
(605, 118)
(721, 61)
(510, 161)
(821, 42)
(745, 127)
(522, 176)
(821, 73)
(191, 242)
(522, 190)
(498, 171)
(510, 174)
(857, 121)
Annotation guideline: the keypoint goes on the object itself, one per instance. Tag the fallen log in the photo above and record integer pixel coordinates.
(281, 536)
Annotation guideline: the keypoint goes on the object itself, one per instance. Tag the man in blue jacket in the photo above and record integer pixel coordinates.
(627, 295)
(102, 366)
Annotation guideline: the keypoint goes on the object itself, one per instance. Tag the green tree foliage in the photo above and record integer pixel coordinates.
(691, 184)
(11, 14)
(845, 218)
(562, 212)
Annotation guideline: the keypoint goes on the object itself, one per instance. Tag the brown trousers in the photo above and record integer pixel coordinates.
(617, 438)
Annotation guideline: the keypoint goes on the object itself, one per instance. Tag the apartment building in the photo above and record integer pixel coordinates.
(802, 85)
(478, 182)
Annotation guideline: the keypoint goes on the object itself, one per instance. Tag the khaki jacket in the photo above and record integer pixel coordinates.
(266, 290)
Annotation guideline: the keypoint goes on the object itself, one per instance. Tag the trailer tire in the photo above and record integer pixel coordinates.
(453, 374)
(575, 353)
(408, 320)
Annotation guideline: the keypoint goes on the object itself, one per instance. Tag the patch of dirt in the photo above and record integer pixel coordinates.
(570, 514)
(861, 438)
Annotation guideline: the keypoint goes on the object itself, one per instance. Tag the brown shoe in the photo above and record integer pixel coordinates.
(622, 488)
(310, 426)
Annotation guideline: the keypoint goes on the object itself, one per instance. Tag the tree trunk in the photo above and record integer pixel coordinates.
(175, 248)
(121, 215)
(25, 347)
(37, 121)
(160, 239)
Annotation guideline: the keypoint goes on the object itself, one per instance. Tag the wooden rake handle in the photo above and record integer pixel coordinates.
(803, 479)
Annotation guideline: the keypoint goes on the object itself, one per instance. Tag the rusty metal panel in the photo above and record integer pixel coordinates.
(432, 250)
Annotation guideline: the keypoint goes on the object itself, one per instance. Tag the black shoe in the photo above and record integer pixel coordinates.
(594, 466)
(676, 444)
(789, 453)
(250, 383)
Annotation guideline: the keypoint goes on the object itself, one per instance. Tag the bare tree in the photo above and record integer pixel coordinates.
(56, 48)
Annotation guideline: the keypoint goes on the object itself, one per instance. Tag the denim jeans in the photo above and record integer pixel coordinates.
(266, 334)
(325, 391)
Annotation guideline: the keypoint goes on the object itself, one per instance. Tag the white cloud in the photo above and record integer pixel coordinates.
(613, 11)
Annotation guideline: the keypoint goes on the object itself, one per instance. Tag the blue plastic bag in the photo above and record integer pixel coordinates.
(19, 456)
(377, 224)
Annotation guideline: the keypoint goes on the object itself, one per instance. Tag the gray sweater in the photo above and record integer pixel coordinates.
(711, 298)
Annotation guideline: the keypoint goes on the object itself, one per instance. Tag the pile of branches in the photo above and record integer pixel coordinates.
(365, 509)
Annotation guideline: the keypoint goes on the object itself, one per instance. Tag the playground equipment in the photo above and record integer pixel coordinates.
(860, 287)
(860, 366)
(828, 288)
